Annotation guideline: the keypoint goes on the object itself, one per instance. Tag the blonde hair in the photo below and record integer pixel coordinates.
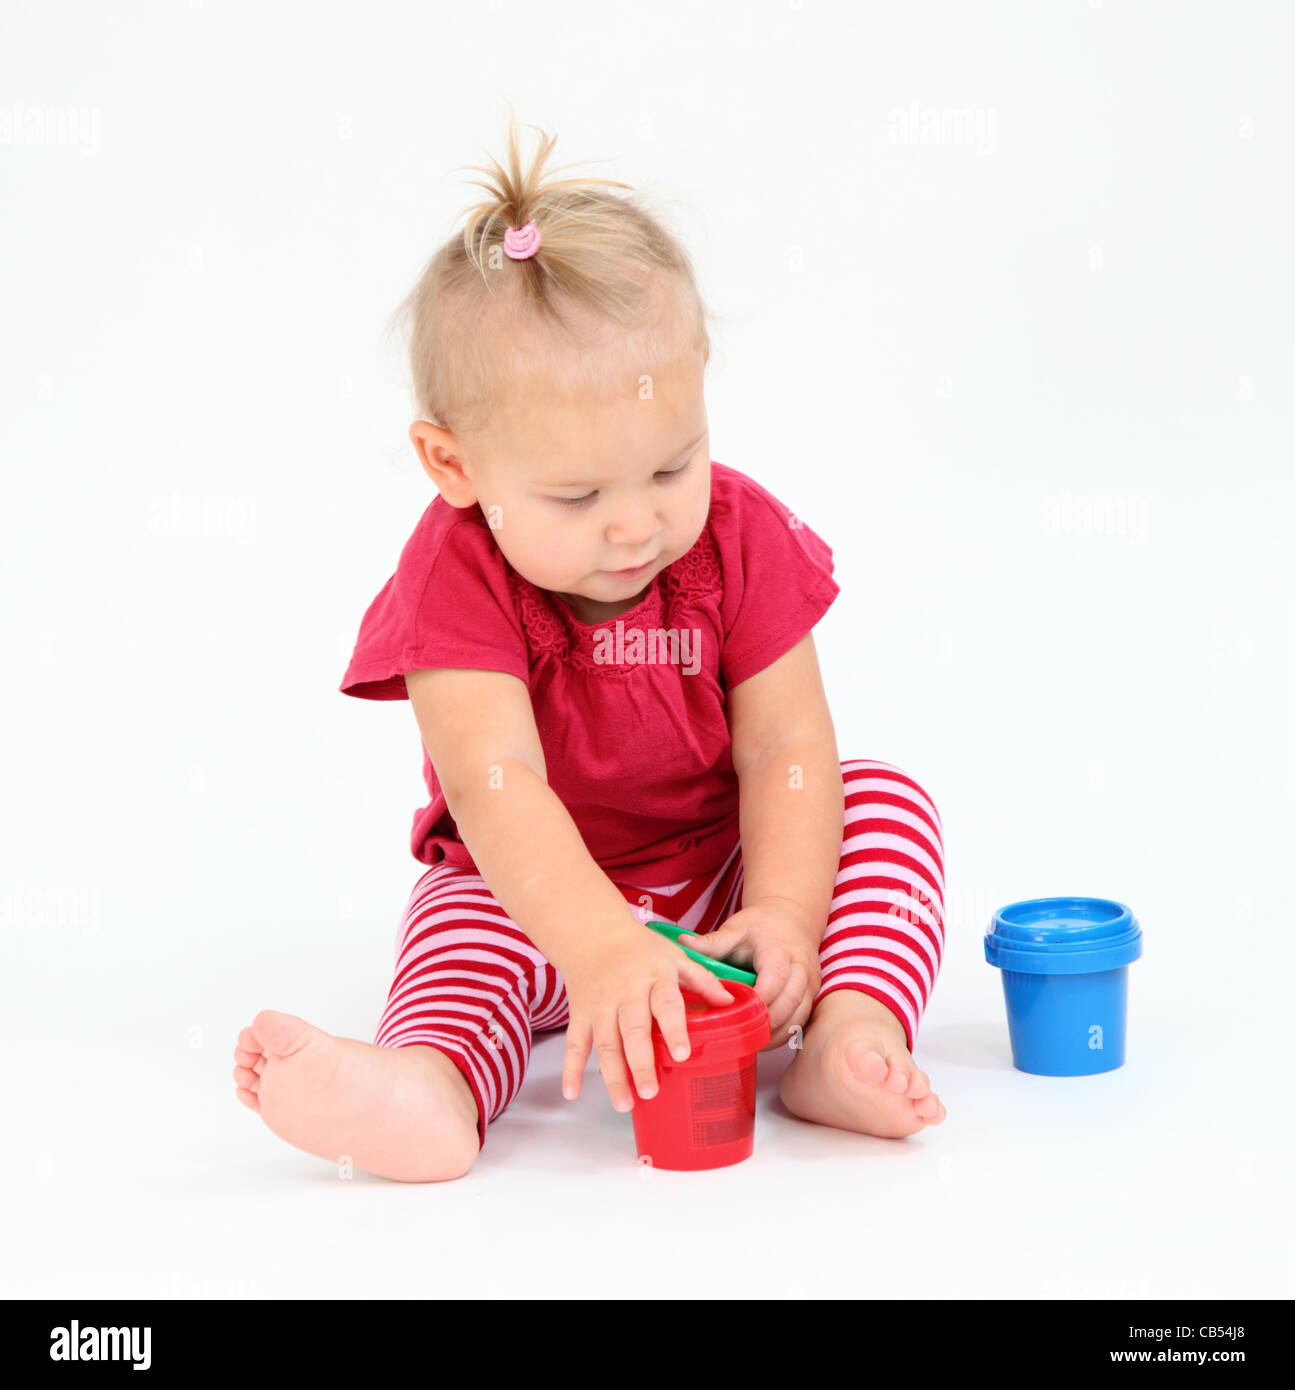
(609, 296)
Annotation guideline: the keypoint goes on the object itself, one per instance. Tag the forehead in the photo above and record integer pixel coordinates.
(608, 416)
(578, 360)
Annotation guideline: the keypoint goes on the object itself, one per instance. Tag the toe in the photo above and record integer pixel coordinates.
(866, 1063)
(279, 1034)
(919, 1085)
(249, 1080)
(897, 1078)
(247, 1041)
(927, 1107)
(244, 1058)
(248, 1099)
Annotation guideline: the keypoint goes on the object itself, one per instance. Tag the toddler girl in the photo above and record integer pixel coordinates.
(605, 636)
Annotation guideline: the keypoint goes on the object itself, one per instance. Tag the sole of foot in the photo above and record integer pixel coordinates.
(404, 1113)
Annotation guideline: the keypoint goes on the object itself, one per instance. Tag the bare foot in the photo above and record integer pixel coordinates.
(401, 1112)
(854, 1071)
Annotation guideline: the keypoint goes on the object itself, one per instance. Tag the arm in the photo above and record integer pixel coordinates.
(479, 731)
(791, 796)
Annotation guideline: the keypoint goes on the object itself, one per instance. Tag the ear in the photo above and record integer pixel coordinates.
(440, 454)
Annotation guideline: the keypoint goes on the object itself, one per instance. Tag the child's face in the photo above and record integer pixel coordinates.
(577, 489)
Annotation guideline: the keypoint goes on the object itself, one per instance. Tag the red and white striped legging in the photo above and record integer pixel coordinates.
(470, 982)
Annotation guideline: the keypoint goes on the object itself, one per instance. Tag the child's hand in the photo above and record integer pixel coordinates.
(617, 982)
(774, 939)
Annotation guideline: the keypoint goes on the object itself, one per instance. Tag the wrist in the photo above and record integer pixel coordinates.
(804, 919)
(613, 929)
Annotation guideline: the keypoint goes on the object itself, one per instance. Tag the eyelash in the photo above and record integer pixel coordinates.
(589, 497)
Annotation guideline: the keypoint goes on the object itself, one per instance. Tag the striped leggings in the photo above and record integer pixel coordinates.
(469, 982)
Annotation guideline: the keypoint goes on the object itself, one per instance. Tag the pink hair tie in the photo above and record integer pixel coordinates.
(521, 243)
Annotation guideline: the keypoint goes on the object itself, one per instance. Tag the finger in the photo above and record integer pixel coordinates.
(791, 994)
(611, 1061)
(724, 943)
(780, 1023)
(714, 943)
(699, 979)
(771, 978)
(635, 1021)
(790, 999)
(805, 1009)
(668, 1007)
(577, 1054)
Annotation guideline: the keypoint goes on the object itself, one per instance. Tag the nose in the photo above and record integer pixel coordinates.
(634, 525)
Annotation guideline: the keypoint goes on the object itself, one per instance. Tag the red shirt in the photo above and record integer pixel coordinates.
(631, 719)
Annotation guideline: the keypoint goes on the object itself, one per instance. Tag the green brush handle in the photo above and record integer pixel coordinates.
(716, 967)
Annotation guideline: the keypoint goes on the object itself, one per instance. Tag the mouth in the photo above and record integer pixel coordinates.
(637, 573)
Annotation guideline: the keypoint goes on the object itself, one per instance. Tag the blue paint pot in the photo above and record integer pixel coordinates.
(1065, 981)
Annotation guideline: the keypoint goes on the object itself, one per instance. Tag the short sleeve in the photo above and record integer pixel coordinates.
(449, 603)
(777, 580)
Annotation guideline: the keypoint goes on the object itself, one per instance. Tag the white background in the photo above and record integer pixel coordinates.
(1008, 300)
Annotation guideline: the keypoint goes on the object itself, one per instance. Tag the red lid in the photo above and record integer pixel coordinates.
(720, 1030)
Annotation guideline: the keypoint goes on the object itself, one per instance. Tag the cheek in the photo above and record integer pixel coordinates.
(557, 541)
(700, 503)
(533, 539)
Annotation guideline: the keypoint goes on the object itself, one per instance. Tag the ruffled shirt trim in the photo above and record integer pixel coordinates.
(553, 631)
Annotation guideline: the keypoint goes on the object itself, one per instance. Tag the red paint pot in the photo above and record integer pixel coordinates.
(703, 1115)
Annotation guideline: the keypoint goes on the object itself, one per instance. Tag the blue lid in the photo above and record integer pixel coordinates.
(1063, 936)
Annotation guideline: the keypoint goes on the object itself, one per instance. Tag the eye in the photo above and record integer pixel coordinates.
(589, 496)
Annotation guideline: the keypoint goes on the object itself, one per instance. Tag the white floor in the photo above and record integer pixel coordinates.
(131, 1170)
